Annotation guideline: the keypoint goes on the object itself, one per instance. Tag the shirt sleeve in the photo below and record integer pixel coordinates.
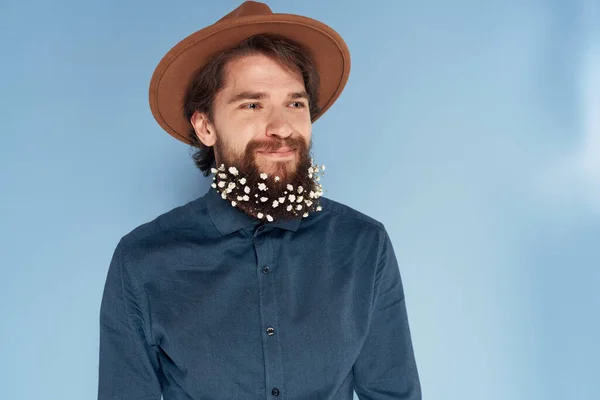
(128, 366)
(385, 368)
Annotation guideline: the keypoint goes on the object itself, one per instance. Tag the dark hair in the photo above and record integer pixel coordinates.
(211, 78)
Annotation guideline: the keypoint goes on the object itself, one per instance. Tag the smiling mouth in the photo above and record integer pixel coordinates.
(279, 153)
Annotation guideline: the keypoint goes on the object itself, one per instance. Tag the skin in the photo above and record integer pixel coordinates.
(262, 108)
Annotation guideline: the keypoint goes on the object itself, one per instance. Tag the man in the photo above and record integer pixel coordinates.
(262, 288)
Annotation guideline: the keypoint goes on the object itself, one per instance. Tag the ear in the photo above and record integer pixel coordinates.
(205, 131)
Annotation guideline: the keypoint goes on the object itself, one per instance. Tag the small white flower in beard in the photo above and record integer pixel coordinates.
(223, 176)
(289, 187)
(311, 194)
(242, 181)
(275, 203)
(300, 189)
(263, 199)
(281, 199)
(246, 197)
(308, 203)
(269, 218)
(233, 203)
(289, 208)
(214, 185)
(305, 215)
(299, 207)
(224, 195)
(263, 176)
(222, 184)
(231, 185)
(276, 179)
(262, 186)
(240, 198)
(319, 208)
(233, 171)
(299, 199)
(247, 189)
(214, 170)
(292, 197)
(222, 167)
(259, 215)
(322, 167)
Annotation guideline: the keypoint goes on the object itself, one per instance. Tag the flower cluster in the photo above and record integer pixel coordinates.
(295, 200)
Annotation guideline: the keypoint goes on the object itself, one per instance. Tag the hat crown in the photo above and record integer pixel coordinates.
(247, 8)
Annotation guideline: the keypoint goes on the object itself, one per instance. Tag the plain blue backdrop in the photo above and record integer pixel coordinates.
(469, 128)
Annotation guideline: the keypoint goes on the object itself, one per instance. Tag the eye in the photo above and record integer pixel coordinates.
(250, 106)
(298, 104)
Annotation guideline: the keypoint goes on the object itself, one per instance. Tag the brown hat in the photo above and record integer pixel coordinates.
(176, 69)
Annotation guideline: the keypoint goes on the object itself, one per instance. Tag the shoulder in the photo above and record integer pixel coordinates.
(348, 215)
(181, 217)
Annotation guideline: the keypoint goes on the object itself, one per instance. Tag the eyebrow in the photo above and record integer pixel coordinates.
(247, 95)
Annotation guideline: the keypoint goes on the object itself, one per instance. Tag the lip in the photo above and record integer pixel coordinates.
(279, 153)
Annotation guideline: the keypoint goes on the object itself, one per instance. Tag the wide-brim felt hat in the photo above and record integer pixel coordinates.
(176, 69)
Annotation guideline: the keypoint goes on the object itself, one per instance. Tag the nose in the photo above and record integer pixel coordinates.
(278, 126)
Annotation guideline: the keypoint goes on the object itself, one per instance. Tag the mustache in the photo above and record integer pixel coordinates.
(273, 145)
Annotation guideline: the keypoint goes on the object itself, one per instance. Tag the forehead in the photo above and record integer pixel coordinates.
(260, 72)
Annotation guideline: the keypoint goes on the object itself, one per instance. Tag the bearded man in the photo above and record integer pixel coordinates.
(262, 288)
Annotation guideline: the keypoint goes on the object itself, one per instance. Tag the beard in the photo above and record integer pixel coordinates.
(287, 192)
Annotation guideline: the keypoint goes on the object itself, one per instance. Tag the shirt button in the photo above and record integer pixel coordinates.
(265, 270)
(275, 392)
(270, 331)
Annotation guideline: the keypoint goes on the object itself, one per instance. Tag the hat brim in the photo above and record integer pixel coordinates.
(174, 72)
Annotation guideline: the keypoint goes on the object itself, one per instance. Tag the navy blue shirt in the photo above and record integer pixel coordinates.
(207, 303)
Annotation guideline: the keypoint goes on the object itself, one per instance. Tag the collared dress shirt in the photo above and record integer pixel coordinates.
(207, 303)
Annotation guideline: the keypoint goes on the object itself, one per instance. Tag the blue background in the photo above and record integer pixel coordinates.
(469, 128)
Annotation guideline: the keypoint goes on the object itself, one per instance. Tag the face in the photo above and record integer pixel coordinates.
(261, 124)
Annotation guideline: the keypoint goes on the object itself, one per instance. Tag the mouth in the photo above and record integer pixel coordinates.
(280, 153)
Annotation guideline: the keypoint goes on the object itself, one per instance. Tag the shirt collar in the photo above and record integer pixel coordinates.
(229, 219)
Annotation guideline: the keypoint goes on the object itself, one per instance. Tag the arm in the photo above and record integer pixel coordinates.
(128, 367)
(385, 368)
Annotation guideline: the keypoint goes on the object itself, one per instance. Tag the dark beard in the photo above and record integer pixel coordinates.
(266, 204)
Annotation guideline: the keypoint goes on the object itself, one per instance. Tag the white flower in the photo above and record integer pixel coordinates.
(256, 195)
(246, 198)
(308, 203)
(247, 189)
(310, 170)
(263, 176)
(263, 199)
(318, 178)
(292, 197)
(276, 179)
(214, 185)
(262, 186)
(269, 218)
(319, 208)
(224, 195)
(243, 181)
(259, 215)
(213, 170)
(233, 203)
(311, 194)
(221, 184)
(281, 199)
(289, 208)
(299, 207)
(240, 198)
(233, 170)
(223, 176)
(305, 215)
(222, 167)
(300, 189)
(300, 198)
(231, 185)
(228, 190)
(275, 203)
(322, 167)
(289, 187)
